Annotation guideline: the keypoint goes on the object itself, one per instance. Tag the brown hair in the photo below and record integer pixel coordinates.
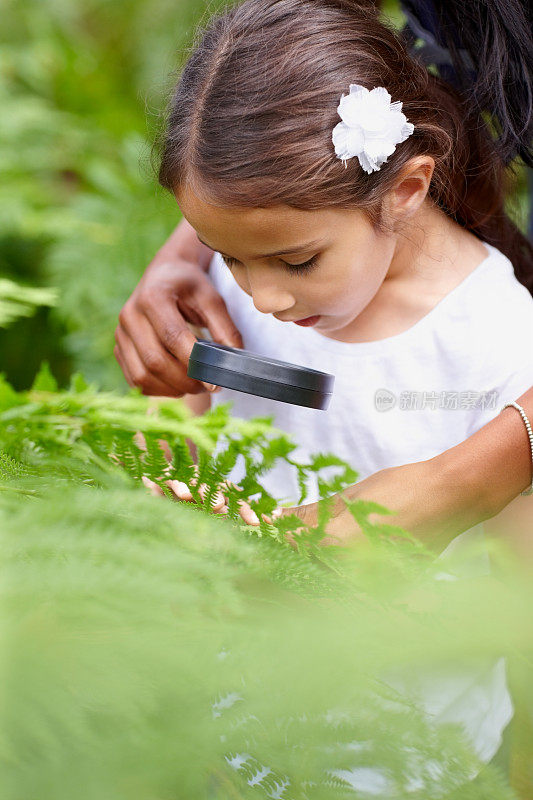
(250, 120)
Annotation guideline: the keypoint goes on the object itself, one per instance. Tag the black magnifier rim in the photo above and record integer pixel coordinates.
(259, 375)
(248, 363)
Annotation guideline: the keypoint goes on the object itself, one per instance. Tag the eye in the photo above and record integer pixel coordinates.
(299, 269)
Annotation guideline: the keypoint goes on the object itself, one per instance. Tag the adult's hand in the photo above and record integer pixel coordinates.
(153, 337)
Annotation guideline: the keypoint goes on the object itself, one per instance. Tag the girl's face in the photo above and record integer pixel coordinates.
(296, 264)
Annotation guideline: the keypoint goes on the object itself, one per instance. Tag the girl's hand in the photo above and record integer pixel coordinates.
(153, 340)
(181, 491)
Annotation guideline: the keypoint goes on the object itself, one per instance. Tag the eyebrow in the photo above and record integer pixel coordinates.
(300, 249)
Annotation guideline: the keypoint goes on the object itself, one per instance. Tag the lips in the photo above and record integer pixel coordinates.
(304, 321)
(308, 321)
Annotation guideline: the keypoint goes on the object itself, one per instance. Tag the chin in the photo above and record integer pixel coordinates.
(328, 324)
(332, 324)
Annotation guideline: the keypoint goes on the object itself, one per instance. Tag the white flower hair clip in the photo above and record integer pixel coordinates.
(371, 127)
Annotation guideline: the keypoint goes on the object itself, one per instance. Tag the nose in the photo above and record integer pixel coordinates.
(272, 302)
(267, 296)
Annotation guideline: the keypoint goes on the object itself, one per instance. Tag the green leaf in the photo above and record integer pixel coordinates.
(8, 396)
(44, 380)
(78, 384)
(22, 301)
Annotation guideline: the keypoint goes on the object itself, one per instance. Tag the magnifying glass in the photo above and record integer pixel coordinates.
(248, 372)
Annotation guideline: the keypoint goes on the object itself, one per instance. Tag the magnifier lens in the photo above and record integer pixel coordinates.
(248, 372)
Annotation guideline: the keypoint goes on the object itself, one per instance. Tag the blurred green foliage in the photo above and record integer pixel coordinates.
(82, 85)
(154, 649)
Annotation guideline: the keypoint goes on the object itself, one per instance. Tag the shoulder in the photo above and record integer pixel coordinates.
(502, 303)
(491, 300)
(500, 326)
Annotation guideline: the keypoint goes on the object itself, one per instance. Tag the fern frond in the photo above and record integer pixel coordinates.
(10, 469)
(22, 301)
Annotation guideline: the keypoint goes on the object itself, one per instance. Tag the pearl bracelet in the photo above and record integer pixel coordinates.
(529, 433)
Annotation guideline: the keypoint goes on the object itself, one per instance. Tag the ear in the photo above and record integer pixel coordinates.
(410, 189)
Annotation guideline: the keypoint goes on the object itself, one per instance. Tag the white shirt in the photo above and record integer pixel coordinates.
(445, 377)
(404, 399)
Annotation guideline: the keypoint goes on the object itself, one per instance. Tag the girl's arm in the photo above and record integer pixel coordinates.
(500, 455)
(450, 493)
(514, 523)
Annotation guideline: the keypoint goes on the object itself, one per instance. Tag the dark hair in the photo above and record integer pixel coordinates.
(489, 53)
(250, 120)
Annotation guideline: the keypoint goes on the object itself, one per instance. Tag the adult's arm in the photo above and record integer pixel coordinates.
(183, 243)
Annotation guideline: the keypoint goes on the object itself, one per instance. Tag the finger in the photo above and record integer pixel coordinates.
(157, 360)
(140, 441)
(219, 504)
(247, 513)
(180, 490)
(165, 447)
(275, 515)
(153, 487)
(227, 484)
(139, 372)
(149, 384)
(171, 329)
(123, 366)
(218, 501)
(211, 307)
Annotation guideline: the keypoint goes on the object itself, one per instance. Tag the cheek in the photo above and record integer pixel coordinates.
(239, 276)
(351, 287)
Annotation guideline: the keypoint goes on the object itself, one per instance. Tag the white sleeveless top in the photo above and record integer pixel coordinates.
(404, 399)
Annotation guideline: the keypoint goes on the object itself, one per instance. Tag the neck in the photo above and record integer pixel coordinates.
(428, 241)
(432, 255)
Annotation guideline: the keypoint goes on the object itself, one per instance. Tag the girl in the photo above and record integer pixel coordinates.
(428, 204)
(385, 235)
